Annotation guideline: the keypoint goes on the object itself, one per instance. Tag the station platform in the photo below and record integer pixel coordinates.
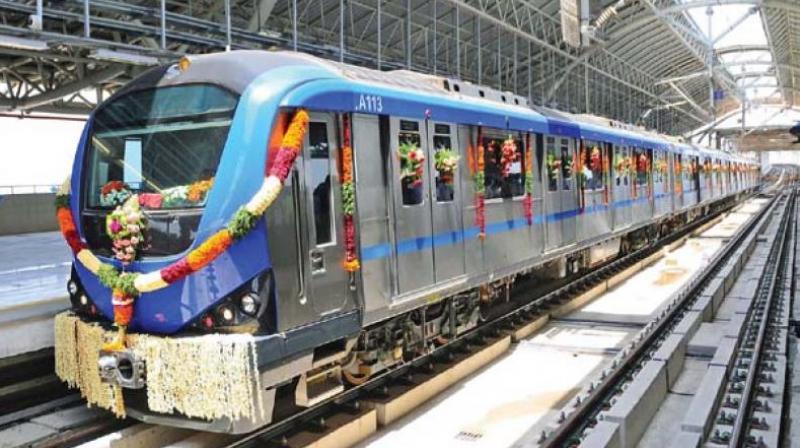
(33, 267)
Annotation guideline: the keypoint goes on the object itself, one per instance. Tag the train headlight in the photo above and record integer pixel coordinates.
(250, 303)
(227, 314)
(72, 287)
(84, 300)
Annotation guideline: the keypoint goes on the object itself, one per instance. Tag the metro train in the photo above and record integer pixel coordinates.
(459, 192)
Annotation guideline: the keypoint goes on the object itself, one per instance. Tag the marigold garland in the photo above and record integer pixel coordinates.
(198, 190)
(351, 262)
(480, 189)
(126, 286)
(528, 201)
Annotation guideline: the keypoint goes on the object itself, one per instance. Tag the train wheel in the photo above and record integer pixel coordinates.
(355, 379)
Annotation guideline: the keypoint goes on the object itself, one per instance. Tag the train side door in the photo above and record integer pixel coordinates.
(413, 240)
(552, 197)
(621, 187)
(326, 278)
(445, 200)
(569, 190)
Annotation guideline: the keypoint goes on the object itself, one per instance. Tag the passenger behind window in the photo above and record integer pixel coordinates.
(503, 166)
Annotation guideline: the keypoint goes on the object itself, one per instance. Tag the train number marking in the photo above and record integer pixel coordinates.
(370, 103)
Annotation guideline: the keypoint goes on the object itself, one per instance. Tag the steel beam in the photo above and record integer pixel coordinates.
(58, 93)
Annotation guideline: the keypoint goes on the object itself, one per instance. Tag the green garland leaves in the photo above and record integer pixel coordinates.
(480, 182)
(348, 198)
(62, 201)
(113, 279)
(241, 223)
(529, 182)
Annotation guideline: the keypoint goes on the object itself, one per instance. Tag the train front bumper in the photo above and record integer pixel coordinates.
(208, 382)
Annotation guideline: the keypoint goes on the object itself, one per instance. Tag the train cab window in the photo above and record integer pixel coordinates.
(445, 163)
(319, 173)
(567, 164)
(503, 155)
(552, 163)
(592, 165)
(412, 162)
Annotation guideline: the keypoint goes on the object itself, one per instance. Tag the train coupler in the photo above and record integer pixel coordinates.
(124, 368)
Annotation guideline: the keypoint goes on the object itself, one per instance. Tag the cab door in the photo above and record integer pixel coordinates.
(445, 200)
(413, 241)
(326, 284)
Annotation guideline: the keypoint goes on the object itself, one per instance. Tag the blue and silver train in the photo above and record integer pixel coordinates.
(428, 272)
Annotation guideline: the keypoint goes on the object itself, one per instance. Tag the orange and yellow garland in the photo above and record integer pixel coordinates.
(351, 263)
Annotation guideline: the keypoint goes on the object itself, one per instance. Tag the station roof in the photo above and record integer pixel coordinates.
(648, 62)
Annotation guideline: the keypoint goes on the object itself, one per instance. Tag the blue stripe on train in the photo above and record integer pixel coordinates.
(383, 250)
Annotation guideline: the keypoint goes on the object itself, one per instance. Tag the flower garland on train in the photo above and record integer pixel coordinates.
(127, 286)
(508, 156)
(643, 167)
(411, 164)
(351, 263)
(553, 165)
(446, 163)
(479, 181)
(527, 203)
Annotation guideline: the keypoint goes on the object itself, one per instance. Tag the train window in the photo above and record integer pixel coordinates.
(552, 163)
(642, 165)
(445, 163)
(592, 165)
(503, 155)
(621, 165)
(319, 175)
(567, 165)
(412, 162)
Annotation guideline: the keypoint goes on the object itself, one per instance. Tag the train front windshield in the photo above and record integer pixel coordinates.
(163, 144)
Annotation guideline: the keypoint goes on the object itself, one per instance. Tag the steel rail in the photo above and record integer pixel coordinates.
(523, 314)
(767, 295)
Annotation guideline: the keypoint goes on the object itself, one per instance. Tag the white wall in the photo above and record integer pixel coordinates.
(35, 151)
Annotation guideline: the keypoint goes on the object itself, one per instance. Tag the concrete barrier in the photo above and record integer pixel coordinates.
(673, 353)
(699, 417)
(639, 403)
(603, 435)
(27, 213)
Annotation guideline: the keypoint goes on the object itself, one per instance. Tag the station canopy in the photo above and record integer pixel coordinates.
(670, 65)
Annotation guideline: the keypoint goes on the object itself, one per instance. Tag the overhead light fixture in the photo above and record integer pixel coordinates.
(20, 43)
(103, 54)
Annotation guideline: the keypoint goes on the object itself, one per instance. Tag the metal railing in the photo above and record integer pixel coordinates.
(28, 189)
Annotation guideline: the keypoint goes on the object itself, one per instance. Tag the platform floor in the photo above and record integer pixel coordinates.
(33, 267)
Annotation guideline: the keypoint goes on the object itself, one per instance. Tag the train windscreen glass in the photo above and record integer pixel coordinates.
(163, 144)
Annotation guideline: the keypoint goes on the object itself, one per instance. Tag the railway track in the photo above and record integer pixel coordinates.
(37, 409)
(746, 391)
(316, 419)
(754, 392)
